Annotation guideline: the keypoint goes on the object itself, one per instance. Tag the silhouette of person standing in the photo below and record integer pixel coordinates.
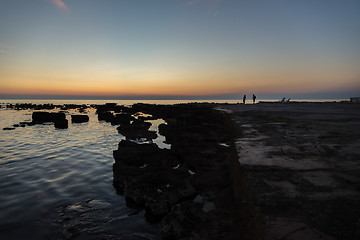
(244, 98)
(254, 98)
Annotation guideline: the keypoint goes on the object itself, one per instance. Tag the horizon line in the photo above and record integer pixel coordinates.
(328, 96)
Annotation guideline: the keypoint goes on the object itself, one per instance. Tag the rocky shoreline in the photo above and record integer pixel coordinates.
(233, 171)
(186, 191)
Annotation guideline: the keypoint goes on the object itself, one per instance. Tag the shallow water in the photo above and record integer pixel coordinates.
(43, 169)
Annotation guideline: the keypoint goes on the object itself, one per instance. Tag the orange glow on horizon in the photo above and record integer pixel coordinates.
(157, 82)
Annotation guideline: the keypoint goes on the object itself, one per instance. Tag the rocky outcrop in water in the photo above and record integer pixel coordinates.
(187, 190)
(79, 118)
(149, 178)
(138, 129)
(58, 118)
(46, 106)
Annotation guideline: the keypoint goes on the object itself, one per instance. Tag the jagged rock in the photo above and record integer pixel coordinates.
(106, 116)
(181, 221)
(136, 130)
(122, 119)
(164, 181)
(149, 178)
(79, 118)
(113, 107)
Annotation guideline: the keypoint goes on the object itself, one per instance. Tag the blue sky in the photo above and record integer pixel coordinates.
(179, 47)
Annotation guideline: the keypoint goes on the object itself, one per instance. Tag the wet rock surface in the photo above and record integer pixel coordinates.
(182, 189)
(302, 167)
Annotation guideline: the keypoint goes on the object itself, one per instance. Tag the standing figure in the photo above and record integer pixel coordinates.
(254, 98)
(244, 98)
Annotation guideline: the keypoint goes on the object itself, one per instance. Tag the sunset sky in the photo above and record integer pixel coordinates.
(179, 47)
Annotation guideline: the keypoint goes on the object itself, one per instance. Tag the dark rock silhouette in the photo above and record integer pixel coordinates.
(61, 123)
(137, 130)
(122, 119)
(42, 117)
(79, 118)
(187, 189)
(58, 118)
(147, 176)
(114, 114)
(106, 116)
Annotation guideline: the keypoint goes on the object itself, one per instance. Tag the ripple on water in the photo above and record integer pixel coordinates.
(43, 169)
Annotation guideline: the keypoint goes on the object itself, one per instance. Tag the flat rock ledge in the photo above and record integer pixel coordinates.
(188, 190)
(302, 167)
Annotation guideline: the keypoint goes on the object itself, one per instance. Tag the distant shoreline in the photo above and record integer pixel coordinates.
(162, 102)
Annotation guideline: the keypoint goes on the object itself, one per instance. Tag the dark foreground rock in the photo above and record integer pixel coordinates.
(188, 190)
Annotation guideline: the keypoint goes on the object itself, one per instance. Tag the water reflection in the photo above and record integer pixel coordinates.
(43, 169)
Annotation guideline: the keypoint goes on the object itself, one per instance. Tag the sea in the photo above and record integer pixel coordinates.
(43, 170)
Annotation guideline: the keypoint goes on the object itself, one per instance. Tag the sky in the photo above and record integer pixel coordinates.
(169, 48)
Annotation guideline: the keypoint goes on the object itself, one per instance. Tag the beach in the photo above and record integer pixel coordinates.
(301, 166)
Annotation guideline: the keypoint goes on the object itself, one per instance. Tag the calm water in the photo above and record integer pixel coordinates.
(43, 169)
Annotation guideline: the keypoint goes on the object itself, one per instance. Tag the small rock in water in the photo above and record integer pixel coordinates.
(41, 117)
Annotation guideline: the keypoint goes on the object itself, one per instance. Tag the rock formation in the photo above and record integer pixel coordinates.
(79, 118)
(187, 190)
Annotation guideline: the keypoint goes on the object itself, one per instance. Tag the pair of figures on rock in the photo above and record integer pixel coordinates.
(254, 98)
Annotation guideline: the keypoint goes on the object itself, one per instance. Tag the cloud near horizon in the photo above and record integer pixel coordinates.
(59, 3)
